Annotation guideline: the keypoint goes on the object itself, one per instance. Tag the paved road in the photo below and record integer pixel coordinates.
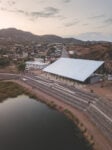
(64, 53)
(99, 110)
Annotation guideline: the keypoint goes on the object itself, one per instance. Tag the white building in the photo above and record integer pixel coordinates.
(25, 54)
(74, 69)
(71, 52)
(110, 77)
(35, 65)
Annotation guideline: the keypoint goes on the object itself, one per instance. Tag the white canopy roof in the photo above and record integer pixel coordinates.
(77, 69)
(35, 63)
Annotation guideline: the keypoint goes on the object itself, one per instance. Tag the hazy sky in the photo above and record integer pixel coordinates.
(83, 19)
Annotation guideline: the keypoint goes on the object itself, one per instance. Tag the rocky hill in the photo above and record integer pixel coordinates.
(96, 51)
(12, 34)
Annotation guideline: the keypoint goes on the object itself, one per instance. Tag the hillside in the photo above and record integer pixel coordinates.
(12, 34)
(102, 51)
(87, 50)
(98, 51)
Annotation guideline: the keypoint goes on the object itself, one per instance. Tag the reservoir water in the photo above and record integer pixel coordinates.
(26, 124)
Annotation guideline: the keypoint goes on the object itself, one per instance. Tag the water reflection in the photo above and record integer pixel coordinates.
(26, 124)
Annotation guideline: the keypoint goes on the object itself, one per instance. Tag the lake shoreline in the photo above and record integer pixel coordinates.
(11, 89)
(90, 131)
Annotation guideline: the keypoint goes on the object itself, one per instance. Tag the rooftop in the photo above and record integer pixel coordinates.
(77, 69)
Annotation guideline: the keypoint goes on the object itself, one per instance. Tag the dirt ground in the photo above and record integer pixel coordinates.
(101, 142)
(102, 89)
(9, 69)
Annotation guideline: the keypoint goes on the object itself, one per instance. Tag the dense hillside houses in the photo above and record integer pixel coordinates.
(18, 46)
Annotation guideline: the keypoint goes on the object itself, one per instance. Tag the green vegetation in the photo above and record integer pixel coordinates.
(10, 89)
(21, 66)
(51, 104)
(4, 62)
(30, 95)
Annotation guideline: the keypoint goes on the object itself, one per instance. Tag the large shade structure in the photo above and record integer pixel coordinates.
(77, 69)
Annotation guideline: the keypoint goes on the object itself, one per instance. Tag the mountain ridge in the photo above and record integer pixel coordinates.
(19, 35)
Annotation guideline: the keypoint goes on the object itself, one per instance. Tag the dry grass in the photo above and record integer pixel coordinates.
(11, 89)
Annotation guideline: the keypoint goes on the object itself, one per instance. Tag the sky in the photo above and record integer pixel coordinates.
(81, 19)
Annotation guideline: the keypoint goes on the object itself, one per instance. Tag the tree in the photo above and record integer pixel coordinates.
(21, 66)
(4, 62)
